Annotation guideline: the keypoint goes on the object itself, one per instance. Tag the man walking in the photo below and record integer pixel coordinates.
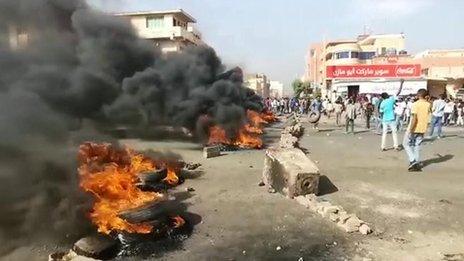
(438, 110)
(369, 110)
(338, 107)
(387, 108)
(350, 115)
(316, 106)
(416, 130)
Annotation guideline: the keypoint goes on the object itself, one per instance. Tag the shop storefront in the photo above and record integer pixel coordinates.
(352, 80)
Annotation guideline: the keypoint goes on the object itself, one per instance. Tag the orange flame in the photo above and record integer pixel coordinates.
(178, 221)
(248, 135)
(110, 175)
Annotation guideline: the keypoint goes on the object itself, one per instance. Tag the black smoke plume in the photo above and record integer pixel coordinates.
(75, 65)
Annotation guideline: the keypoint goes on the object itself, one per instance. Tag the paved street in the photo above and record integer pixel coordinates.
(416, 216)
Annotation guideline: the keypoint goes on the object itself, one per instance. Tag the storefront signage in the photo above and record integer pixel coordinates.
(374, 71)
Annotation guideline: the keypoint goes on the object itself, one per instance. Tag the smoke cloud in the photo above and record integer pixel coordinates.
(80, 65)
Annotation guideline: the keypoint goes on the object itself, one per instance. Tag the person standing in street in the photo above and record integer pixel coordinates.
(369, 110)
(376, 101)
(417, 128)
(460, 113)
(338, 108)
(400, 109)
(350, 116)
(449, 112)
(316, 106)
(438, 111)
(387, 108)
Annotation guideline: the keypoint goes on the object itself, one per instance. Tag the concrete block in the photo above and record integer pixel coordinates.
(212, 151)
(290, 172)
(288, 141)
(365, 229)
(351, 224)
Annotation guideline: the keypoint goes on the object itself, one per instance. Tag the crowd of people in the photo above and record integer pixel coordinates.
(448, 111)
(414, 114)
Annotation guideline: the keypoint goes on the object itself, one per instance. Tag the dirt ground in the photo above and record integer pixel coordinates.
(415, 216)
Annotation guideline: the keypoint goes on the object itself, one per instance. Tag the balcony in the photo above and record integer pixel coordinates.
(173, 32)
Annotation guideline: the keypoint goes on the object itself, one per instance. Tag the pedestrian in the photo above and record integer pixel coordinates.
(350, 116)
(417, 128)
(368, 111)
(449, 112)
(438, 111)
(400, 108)
(338, 108)
(376, 101)
(460, 110)
(387, 108)
(316, 106)
(329, 110)
(407, 111)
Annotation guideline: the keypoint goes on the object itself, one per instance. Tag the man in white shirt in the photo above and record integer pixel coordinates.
(438, 110)
(400, 108)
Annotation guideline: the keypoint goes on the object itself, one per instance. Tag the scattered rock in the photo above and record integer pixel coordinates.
(244, 252)
(445, 201)
(99, 247)
(453, 257)
(365, 229)
(190, 189)
(210, 152)
(192, 166)
(304, 201)
(261, 184)
(278, 248)
(271, 190)
(300, 259)
(352, 224)
(251, 166)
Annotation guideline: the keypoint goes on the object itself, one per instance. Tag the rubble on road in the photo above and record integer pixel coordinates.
(212, 151)
(97, 247)
(347, 222)
(291, 133)
(288, 170)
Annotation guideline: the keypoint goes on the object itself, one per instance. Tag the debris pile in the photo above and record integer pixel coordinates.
(346, 221)
(288, 170)
(292, 133)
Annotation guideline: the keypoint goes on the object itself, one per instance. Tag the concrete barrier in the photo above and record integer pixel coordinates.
(290, 172)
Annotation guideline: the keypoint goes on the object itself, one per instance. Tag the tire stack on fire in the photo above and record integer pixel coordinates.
(289, 171)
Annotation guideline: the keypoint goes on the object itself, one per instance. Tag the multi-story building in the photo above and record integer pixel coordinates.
(444, 70)
(276, 89)
(372, 64)
(171, 31)
(259, 83)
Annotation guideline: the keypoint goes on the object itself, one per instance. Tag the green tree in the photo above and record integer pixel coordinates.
(301, 87)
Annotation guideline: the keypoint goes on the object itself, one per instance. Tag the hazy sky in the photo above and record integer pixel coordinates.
(272, 36)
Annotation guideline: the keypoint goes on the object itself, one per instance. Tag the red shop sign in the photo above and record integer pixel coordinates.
(374, 71)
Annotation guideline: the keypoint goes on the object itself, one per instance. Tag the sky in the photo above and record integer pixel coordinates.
(272, 36)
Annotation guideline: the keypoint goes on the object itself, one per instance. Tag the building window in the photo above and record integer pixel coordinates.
(155, 22)
(383, 51)
(391, 51)
(354, 55)
(342, 55)
(366, 55)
